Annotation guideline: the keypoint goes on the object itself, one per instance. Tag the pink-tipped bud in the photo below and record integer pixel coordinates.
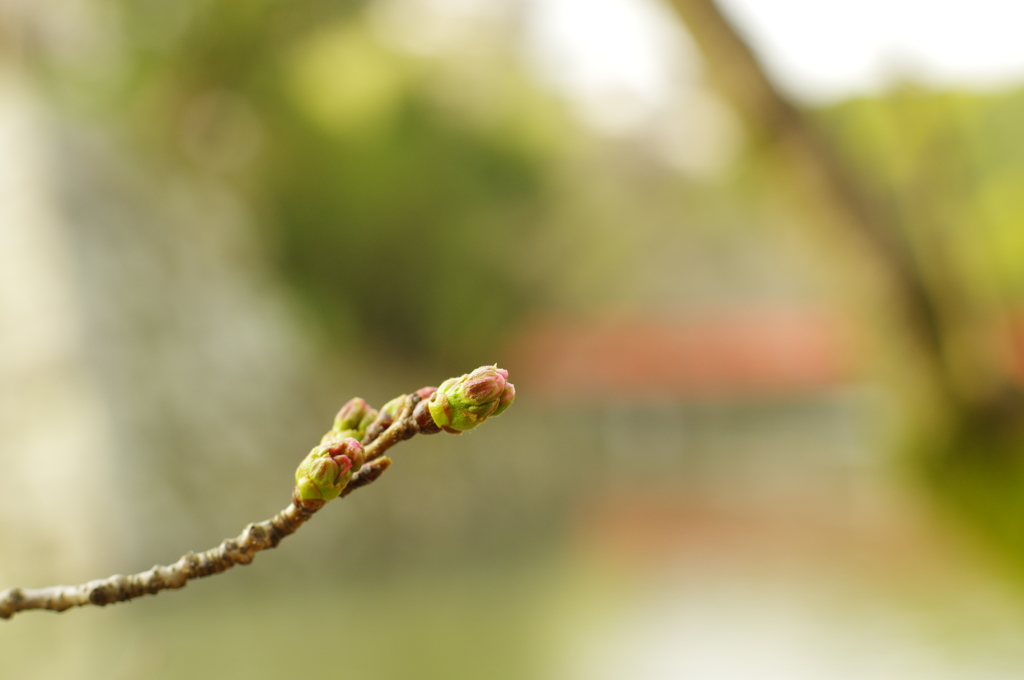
(390, 411)
(350, 414)
(349, 450)
(353, 418)
(505, 400)
(462, 403)
(327, 470)
(483, 386)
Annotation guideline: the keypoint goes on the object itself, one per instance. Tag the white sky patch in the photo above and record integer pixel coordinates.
(817, 50)
(824, 51)
(630, 70)
(629, 67)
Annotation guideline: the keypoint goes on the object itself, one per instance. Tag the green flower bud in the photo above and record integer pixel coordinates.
(350, 414)
(348, 449)
(333, 437)
(505, 400)
(390, 411)
(462, 403)
(352, 419)
(327, 470)
(368, 417)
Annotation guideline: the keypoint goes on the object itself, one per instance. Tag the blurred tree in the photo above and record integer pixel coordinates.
(904, 176)
(399, 227)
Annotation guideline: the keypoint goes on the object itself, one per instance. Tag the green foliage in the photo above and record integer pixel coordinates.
(395, 224)
(410, 232)
(951, 165)
(979, 475)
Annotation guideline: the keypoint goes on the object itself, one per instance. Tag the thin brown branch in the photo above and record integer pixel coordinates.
(233, 551)
(119, 588)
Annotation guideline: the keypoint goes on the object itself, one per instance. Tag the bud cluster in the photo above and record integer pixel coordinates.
(351, 421)
(327, 470)
(389, 412)
(459, 404)
(462, 403)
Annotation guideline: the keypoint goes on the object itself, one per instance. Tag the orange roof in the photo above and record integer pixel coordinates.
(765, 352)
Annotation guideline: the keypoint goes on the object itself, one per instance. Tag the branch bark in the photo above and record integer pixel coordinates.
(769, 113)
(233, 551)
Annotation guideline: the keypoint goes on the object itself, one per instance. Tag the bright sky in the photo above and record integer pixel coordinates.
(817, 50)
(824, 50)
(629, 67)
(588, 45)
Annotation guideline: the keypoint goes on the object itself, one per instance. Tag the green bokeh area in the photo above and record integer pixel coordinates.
(396, 222)
(413, 235)
(259, 210)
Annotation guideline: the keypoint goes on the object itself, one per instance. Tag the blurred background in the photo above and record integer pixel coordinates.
(755, 268)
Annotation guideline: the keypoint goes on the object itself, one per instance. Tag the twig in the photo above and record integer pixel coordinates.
(239, 550)
(119, 588)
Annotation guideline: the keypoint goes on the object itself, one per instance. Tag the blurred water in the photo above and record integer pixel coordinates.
(569, 617)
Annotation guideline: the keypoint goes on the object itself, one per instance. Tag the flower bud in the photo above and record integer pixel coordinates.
(505, 400)
(462, 403)
(390, 411)
(425, 393)
(325, 472)
(348, 449)
(353, 418)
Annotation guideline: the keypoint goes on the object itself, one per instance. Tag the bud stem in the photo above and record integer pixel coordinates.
(239, 550)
